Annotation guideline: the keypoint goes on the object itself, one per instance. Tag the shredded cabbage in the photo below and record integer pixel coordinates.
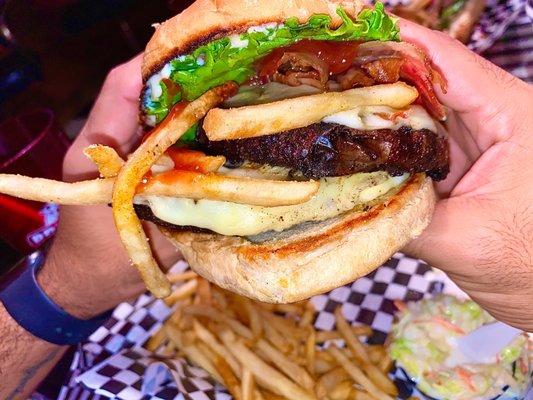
(219, 61)
(424, 337)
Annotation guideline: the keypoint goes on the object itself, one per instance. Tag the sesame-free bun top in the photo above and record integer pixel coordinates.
(206, 20)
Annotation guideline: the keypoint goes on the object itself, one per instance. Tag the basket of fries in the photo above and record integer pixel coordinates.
(203, 342)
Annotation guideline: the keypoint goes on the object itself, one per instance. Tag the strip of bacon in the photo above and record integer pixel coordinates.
(415, 69)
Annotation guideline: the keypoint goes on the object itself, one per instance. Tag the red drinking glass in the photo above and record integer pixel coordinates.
(31, 144)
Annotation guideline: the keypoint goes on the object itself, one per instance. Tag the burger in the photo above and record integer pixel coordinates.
(290, 148)
(324, 93)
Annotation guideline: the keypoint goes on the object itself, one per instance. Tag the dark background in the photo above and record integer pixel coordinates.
(66, 48)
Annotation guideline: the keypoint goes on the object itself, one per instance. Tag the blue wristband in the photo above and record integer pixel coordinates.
(34, 311)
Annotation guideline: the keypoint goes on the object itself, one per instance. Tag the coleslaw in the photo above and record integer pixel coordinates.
(423, 339)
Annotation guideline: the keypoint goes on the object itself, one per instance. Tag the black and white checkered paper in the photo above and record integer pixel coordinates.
(113, 364)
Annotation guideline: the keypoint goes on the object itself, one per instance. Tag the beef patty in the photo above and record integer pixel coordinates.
(325, 149)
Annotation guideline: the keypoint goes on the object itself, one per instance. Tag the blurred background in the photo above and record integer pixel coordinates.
(54, 56)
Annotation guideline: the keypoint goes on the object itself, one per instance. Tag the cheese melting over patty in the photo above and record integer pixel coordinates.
(383, 117)
(335, 196)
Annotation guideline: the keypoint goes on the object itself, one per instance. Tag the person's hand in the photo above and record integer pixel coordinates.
(482, 232)
(87, 269)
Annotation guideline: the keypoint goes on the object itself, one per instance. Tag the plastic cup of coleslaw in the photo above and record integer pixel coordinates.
(423, 337)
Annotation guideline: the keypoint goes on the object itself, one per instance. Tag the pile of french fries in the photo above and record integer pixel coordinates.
(264, 351)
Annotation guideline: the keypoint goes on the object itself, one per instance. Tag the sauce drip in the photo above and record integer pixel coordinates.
(338, 55)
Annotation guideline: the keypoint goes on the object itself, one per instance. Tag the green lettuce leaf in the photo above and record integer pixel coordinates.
(217, 62)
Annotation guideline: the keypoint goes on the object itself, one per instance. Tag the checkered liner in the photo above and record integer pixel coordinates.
(112, 363)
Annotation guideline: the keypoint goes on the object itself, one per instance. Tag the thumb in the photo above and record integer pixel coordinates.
(480, 92)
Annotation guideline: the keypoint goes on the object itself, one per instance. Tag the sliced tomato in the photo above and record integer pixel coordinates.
(338, 55)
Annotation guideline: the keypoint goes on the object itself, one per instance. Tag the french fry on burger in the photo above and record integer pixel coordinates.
(292, 148)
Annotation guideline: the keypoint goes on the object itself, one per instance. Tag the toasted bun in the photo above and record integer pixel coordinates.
(206, 20)
(323, 257)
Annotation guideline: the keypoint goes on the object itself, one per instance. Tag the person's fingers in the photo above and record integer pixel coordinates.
(480, 91)
(471, 80)
(113, 121)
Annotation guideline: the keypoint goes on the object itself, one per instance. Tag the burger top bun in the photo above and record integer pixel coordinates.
(206, 20)
(316, 259)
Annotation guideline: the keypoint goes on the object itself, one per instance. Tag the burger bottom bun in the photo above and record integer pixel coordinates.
(315, 260)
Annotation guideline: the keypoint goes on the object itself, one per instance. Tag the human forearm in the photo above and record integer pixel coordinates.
(24, 359)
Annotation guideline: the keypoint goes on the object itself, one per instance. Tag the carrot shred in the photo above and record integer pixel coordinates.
(447, 324)
(466, 376)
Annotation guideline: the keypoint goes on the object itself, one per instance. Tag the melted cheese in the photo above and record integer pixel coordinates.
(381, 117)
(335, 196)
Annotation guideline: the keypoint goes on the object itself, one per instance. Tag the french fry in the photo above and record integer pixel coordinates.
(186, 323)
(284, 115)
(243, 190)
(229, 379)
(209, 339)
(184, 184)
(194, 354)
(310, 351)
(207, 352)
(293, 371)
(322, 366)
(286, 308)
(264, 374)
(185, 290)
(284, 325)
(248, 386)
(380, 379)
(204, 292)
(272, 396)
(183, 276)
(219, 299)
(360, 353)
(341, 391)
(352, 341)
(385, 364)
(239, 328)
(174, 334)
(360, 330)
(93, 192)
(204, 311)
(255, 320)
(106, 159)
(169, 350)
(307, 317)
(156, 340)
(376, 353)
(327, 382)
(274, 337)
(162, 137)
(357, 375)
(359, 395)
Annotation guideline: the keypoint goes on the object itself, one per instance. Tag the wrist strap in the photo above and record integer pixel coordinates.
(33, 310)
